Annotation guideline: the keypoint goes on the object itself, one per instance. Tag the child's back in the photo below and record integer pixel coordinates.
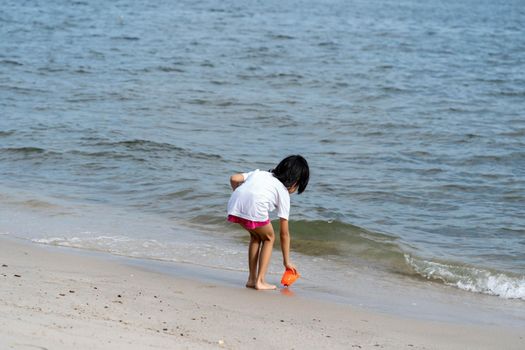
(260, 193)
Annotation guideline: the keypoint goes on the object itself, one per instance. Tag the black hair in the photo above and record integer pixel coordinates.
(293, 170)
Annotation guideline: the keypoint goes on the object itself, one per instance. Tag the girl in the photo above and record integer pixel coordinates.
(257, 193)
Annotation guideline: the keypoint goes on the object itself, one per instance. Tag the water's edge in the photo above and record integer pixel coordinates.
(426, 301)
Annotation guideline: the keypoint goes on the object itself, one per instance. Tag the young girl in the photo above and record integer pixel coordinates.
(257, 193)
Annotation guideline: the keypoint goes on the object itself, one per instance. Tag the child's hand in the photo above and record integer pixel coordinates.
(291, 267)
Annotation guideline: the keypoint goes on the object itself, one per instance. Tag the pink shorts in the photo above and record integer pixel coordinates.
(247, 224)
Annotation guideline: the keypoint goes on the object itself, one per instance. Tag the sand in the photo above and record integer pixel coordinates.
(53, 298)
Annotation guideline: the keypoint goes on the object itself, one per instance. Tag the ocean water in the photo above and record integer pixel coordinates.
(121, 121)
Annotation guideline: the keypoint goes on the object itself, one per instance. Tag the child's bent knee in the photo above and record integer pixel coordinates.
(254, 237)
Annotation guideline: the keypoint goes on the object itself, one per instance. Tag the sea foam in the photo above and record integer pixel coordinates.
(470, 278)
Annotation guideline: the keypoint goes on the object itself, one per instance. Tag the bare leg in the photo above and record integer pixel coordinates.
(267, 237)
(253, 259)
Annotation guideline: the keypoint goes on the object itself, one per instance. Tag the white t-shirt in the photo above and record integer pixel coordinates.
(259, 194)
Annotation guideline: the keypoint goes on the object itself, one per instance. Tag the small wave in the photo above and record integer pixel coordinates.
(343, 241)
(281, 37)
(509, 158)
(82, 71)
(431, 171)
(106, 155)
(24, 150)
(141, 144)
(81, 98)
(176, 194)
(285, 75)
(170, 69)
(470, 278)
(219, 82)
(352, 244)
(515, 133)
(199, 101)
(126, 38)
(38, 204)
(143, 248)
(48, 69)
(118, 245)
(6, 133)
(22, 90)
(207, 64)
(510, 93)
(152, 146)
(394, 90)
(11, 63)
(329, 44)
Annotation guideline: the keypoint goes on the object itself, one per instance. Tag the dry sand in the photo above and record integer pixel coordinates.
(56, 299)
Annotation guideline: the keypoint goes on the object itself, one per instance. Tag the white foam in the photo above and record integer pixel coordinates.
(470, 278)
(188, 252)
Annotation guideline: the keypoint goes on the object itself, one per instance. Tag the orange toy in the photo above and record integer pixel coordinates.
(289, 277)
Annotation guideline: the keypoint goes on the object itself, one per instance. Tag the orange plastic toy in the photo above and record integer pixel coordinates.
(289, 277)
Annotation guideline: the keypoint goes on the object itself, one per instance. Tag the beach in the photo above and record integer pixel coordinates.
(122, 122)
(56, 298)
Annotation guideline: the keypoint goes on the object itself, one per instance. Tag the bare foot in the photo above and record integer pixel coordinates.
(264, 286)
(250, 284)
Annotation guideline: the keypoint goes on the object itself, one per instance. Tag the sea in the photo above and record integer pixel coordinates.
(121, 122)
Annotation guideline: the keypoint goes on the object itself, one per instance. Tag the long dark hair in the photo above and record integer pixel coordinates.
(293, 170)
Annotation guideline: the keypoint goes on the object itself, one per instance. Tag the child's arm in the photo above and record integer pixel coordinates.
(285, 244)
(236, 180)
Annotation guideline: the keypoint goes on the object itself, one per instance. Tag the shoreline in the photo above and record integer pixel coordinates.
(370, 289)
(361, 284)
(57, 298)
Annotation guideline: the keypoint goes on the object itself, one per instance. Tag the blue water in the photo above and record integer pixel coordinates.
(120, 123)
